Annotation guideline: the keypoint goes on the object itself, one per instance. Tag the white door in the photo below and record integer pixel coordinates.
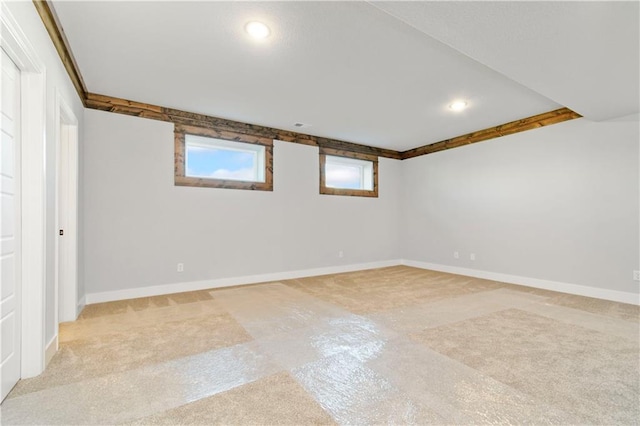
(10, 324)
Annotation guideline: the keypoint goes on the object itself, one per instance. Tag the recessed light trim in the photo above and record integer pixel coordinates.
(458, 105)
(257, 30)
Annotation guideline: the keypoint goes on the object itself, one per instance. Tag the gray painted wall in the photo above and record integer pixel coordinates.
(557, 203)
(560, 203)
(138, 225)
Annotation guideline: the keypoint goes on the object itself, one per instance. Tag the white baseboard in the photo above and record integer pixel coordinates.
(158, 290)
(81, 305)
(50, 350)
(580, 290)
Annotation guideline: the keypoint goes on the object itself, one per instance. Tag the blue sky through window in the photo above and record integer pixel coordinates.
(220, 163)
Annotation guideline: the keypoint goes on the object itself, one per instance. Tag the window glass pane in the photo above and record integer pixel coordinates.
(348, 173)
(217, 159)
(343, 176)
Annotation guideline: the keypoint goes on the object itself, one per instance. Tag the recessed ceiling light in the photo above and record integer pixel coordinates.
(458, 105)
(257, 30)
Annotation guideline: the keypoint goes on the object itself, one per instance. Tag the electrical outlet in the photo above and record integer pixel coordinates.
(340, 254)
(456, 255)
(180, 267)
(472, 256)
(636, 275)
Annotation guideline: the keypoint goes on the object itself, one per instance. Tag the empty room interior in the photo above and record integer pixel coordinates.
(320, 212)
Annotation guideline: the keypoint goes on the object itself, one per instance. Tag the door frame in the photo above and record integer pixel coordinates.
(66, 257)
(33, 176)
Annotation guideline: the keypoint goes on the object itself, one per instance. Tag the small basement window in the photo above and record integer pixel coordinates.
(220, 159)
(211, 158)
(348, 173)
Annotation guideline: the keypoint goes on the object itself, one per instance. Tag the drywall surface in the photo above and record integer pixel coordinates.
(139, 225)
(557, 203)
(57, 85)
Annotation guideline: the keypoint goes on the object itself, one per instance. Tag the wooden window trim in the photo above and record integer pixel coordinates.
(347, 192)
(179, 160)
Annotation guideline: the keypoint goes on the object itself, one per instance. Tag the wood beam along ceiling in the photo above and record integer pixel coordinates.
(529, 123)
(123, 106)
(179, 117)
(54, 28)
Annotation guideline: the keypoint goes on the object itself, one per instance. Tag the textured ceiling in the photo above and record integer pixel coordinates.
(583, 55)
(349, 69)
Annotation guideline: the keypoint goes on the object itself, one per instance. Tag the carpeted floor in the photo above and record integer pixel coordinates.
(396, 345)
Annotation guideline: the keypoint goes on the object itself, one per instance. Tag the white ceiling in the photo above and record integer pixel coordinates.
(583, 55)
(351, 69)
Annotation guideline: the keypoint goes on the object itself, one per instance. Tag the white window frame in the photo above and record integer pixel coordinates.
(365, 168)
(364, 161)
(223, 139)
(258, 152)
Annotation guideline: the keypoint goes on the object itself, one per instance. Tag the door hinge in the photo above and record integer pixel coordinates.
(61, 232)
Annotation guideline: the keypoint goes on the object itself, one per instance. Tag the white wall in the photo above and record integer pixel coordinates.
(57, 82)
(558, 203)
(138, 225)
